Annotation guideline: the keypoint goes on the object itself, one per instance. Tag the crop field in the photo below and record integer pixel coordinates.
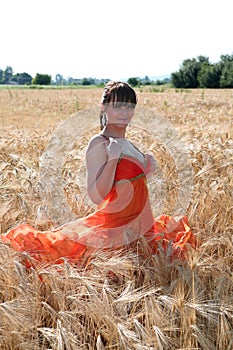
(119, 301)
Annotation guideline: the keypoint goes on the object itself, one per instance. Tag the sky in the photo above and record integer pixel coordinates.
(111, 39)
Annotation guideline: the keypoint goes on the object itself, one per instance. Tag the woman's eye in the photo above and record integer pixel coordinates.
(123, 104)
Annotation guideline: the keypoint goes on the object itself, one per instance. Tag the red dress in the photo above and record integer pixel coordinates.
(123, 216)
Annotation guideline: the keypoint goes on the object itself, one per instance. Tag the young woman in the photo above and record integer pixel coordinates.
(117, 174)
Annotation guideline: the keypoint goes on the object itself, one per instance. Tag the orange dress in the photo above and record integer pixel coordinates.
(123, 216)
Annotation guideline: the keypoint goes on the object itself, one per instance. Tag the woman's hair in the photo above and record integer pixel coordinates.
(117, 92)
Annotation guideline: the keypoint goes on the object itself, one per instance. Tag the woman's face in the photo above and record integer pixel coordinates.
(119, 113)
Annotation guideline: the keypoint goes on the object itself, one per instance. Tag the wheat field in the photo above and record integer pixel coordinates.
(120, 300)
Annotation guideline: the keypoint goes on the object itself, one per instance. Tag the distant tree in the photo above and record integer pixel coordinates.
(166, 80)
(226, 58)
(133, 81)
(7, 75)
(70, 81)
(226, 79)
(158, 82)
(162, 82)
(191, 69)
(177, 79)
(22, 78)
(92, 81)
(203, 59)
(146, 80)
(209, 75)
(201, 73)
(1, 76)
(86, 82)
(59, 79)
(187, 76)
(42, 79)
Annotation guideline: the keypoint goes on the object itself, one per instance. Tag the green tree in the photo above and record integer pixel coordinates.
(177, 79)
(133, 81)
(22, 78)
(226, 79)
(226, 58)
(7, 75)
(42, 79)
(187, 76)
(1, 76)
(191, 68)
(209, 75)
(146, 80)
(86, 82)
(199, 72)
(59, 79)
(203, 59)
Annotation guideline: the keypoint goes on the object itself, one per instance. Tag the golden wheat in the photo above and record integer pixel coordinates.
(118, 300)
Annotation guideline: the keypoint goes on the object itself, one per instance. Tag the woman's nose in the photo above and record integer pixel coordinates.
(124, 110)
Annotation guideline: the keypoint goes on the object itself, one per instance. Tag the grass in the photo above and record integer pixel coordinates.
(120, 301)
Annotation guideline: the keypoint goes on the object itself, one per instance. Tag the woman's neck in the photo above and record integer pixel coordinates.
(113, 131)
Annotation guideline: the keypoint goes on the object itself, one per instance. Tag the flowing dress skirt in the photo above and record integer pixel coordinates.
(120, 220)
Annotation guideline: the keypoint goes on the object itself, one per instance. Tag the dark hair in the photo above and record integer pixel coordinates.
(117, 91)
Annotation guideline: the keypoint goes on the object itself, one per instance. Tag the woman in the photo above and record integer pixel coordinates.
(117, 174)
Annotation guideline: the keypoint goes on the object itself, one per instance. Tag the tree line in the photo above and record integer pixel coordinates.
(194, 73)
(7, 77)
(200, 73)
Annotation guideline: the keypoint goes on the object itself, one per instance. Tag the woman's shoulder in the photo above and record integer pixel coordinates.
(96, 140)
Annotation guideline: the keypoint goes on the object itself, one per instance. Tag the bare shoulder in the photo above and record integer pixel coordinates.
(96, 154)
(95, 141)
(96, 149)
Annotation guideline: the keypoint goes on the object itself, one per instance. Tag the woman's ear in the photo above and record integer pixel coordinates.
(104, 119)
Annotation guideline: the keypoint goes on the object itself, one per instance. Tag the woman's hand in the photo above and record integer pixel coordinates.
(113, 149)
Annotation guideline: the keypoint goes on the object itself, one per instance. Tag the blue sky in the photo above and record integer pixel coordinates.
(108, 39)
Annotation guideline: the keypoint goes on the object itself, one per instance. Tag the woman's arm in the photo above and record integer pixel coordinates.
(101, 161)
